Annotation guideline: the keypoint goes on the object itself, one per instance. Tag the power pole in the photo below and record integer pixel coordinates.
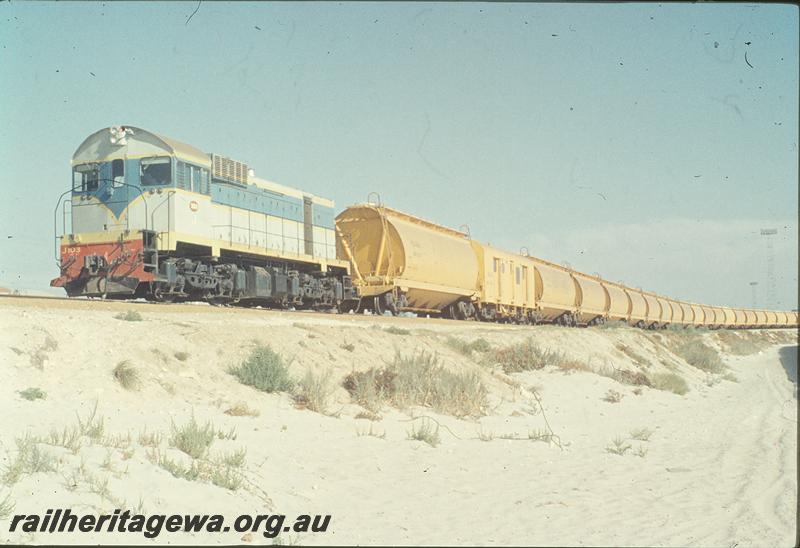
(753, 290)
(766, 233)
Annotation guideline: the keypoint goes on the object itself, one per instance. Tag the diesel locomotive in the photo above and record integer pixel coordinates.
(148, 216)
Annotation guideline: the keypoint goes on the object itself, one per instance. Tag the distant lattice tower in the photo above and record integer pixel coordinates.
(767, 233)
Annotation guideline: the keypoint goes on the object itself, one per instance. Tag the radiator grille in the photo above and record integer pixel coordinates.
(228, 170)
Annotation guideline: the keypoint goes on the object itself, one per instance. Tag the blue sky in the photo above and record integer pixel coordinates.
(633, 140)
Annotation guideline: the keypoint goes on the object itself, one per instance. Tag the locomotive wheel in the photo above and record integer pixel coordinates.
(159, 296)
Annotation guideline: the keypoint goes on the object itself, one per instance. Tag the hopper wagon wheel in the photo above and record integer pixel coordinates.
(466, 310)
(382, 303)
(376, 306)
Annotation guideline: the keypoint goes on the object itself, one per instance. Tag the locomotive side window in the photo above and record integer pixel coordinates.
(155, 171)
(118, 172)
(117, 169)
(85, 178)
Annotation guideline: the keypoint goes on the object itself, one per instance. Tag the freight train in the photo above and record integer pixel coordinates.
(151, 217)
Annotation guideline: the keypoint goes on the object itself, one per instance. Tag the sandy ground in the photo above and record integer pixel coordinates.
(719, 469)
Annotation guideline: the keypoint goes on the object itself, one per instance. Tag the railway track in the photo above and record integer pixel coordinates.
(72, 303)
(56, 302)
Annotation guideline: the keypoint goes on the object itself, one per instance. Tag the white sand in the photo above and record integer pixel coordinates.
(720, 467)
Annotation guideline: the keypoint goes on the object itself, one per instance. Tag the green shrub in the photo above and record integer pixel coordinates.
(181, 356)
(29, 460)
(192, 438)
(235, 459)
(613, 324)
(265, 370)
(397, 331)
(696, 353)
(33, 393)
(468, 348)
(175, 468)
(670, 382)
(129, 316)
(227, 478)
(6, 506)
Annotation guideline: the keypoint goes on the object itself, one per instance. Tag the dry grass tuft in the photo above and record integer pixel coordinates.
(612, 396)
(742, 344)
(148, 439)
(425, 431)
(419, 379)
(241, 409)
(625, 376)
(127, 375)
(571, 365)
(641, 434)
(313, 392)
(635, 357)
(372, 432)
(368, 415)
(524, 356)
(618, 446)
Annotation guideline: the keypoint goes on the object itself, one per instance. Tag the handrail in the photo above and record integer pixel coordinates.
(170, 194)
(102, 186)
(55, 220)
